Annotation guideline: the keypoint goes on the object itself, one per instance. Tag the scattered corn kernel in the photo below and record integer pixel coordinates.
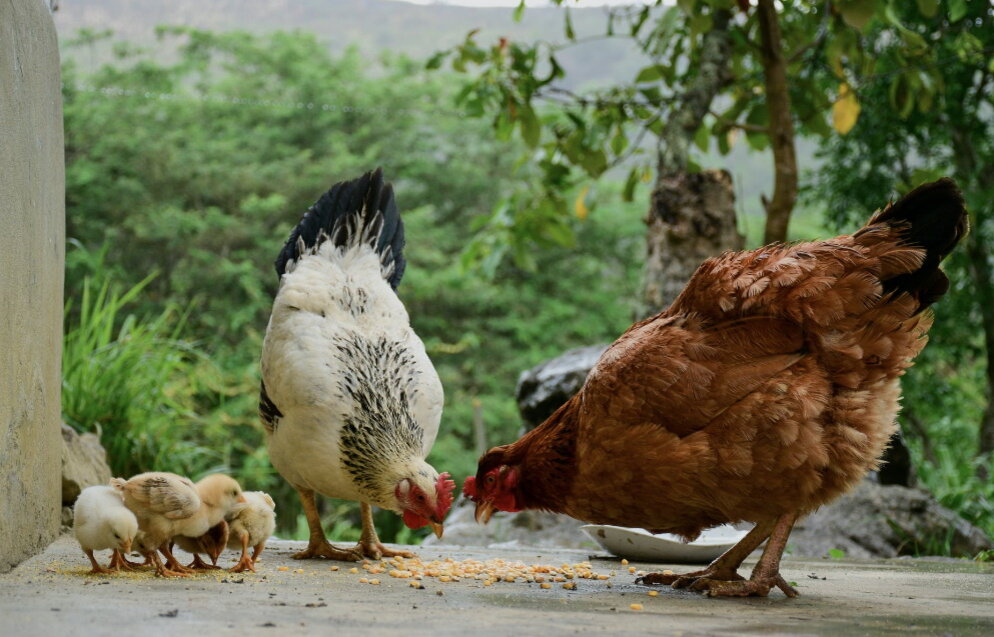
(570, 586)
(299, 570)
(283, 568)
(624, 562)
(631, 569)
(636, 607)
(363, 580)
(333, 568)
(353, 570)
(653, 593)
(667, 572)
(545, 585)
(374, 582)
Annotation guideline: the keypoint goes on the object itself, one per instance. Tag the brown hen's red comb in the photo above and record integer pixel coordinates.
(444, 487)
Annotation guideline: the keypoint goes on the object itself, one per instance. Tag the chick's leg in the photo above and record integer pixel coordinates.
(160, 568)
(724, 568)
(245, 563)
(118, 562)
(369, 542)
(171, 562)
(766, 573)
(318, 545)
(97, 569)
(256, 552)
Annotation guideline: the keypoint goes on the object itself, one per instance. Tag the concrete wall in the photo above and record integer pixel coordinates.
(32, 254)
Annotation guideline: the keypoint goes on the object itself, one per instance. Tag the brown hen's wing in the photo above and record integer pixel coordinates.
(680, 373)
(165, 494)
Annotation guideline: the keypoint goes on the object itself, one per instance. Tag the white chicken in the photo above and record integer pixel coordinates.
(101, 521)
(168, 505)
(251, 523)
(349, 399)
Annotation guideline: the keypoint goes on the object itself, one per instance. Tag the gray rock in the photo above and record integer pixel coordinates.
(84, 463)
(887, 521)
(544, 388)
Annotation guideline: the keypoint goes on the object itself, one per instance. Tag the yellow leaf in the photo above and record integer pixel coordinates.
(581, 203)
(845, 111)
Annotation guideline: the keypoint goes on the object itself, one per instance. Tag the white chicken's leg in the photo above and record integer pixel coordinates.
(369, 542)
(318, 545)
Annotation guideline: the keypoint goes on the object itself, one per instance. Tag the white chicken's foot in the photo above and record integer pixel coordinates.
(369, 545)
(318, 545)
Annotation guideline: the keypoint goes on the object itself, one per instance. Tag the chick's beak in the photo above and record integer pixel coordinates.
(127, 547)
(240, 499)
(438, 529)
(484, 510)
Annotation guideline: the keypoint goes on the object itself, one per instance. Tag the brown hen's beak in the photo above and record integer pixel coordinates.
(438, 529)
(484, 510)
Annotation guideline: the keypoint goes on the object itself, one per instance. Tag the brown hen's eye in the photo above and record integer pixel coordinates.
(490, 479)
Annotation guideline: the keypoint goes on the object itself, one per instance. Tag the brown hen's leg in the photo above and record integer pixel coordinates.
(725, 568)
(318, 545)
(766, 573)
(245, 563)
(369, 545)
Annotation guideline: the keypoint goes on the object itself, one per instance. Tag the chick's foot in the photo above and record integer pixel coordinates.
(119, 562)
(326, 550)
(201, 565)
(244, 564)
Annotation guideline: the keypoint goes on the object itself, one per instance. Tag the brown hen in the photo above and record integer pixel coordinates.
(768, 388)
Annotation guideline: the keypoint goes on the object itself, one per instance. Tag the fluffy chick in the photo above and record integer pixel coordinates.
(211, 544)
(251, 525)
(101, 521)
(218, 495)
(163, 503)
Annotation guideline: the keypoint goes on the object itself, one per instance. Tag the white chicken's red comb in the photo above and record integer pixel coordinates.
(444, 487)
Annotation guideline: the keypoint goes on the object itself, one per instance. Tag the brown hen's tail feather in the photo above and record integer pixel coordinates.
(935, 219)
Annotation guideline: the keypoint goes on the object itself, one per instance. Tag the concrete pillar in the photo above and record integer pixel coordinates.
(32, 255)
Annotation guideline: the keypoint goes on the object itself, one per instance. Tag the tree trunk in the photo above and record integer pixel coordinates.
(781, 129)
(691, 215)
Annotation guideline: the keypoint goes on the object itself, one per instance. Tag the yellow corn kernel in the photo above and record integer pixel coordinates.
(330, 568)
(283, 568)
(570, 586)
(363, 580)
(667, 572)
(636, 607)
(353, 570)
(631, 569)
(545, 585)
(374, 582)
(624, 562)
(653, 593)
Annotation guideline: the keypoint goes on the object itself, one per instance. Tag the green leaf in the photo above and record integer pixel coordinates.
(651, 73)
(628, 193)
(436, 60)
(957, 10)
(702, 138)
(856, 13)
(519, 11)
(570, 34)
(901, 96)
(531, 129)
(619, 142)
(836, 554)
(928, 8)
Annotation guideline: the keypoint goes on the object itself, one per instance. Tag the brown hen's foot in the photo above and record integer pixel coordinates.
(326, 550)
(688, 580)
(757, 587)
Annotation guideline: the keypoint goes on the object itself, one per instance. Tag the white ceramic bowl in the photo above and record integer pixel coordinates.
(639, 544)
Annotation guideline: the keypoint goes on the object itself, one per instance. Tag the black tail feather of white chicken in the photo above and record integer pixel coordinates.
(362, 210)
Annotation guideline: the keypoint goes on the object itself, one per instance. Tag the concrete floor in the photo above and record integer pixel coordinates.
(51, 594)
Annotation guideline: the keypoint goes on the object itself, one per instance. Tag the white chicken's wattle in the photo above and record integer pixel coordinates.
(349, 398)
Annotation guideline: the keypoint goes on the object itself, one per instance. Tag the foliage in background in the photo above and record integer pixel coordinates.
(197, 168)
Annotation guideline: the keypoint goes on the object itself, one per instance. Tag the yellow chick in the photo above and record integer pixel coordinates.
(251, 525)
(211, 543)
(218, 496)
(101, 521)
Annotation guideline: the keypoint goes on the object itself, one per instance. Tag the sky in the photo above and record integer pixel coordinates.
(530, 3)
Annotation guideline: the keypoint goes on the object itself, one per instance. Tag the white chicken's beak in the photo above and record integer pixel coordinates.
(438, 529)
(484, 510)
